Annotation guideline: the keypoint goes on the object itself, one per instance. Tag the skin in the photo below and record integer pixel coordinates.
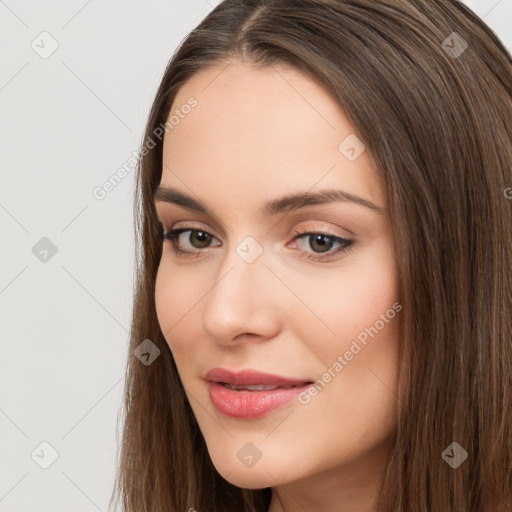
(255, 135)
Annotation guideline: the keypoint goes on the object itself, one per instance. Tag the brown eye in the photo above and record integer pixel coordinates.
(320, 242)
(190, 245)
(203, 238)
(318, 246)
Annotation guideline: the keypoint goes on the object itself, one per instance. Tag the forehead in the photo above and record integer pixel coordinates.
(272, 126)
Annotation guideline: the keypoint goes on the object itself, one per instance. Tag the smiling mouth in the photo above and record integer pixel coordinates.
(251, 401)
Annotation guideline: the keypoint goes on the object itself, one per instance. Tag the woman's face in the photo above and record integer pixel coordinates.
(260, 292)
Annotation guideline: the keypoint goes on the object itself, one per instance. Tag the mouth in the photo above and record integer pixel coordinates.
(250, 394)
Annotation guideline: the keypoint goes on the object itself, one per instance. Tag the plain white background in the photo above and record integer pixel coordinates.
(68, 121)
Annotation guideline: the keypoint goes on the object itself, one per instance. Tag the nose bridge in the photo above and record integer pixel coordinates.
(240, 299)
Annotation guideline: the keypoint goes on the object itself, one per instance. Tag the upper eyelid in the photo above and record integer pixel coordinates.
(196, 225)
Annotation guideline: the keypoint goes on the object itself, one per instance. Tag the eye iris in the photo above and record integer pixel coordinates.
(203, 237)
(321, 240)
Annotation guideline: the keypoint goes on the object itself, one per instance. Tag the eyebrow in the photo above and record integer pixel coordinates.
(284, 204)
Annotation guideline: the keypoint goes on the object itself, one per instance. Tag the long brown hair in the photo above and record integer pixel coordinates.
(428, 87)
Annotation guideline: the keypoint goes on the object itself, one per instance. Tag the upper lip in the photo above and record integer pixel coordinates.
(250, 377)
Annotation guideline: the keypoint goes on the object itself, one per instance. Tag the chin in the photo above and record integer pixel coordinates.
(258, 476)
(246, 479)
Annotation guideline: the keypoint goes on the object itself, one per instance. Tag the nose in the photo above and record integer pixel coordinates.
(243, 302)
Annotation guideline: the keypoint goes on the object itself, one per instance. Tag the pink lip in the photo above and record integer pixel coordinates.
(250, 377)
(246, 404)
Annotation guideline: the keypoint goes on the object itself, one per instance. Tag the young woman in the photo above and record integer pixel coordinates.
(323, 310)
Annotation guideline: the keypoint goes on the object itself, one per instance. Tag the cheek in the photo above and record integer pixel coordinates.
(347, 306)
(356, 316)
(174, 301)
(164, 300)
(358, 372)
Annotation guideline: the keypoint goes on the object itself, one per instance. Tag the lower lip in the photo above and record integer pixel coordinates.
(245, 404)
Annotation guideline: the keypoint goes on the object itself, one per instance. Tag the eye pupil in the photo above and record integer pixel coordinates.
(203, 237)
(320, 239)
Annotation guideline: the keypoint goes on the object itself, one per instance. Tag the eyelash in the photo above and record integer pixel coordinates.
(347, 244)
